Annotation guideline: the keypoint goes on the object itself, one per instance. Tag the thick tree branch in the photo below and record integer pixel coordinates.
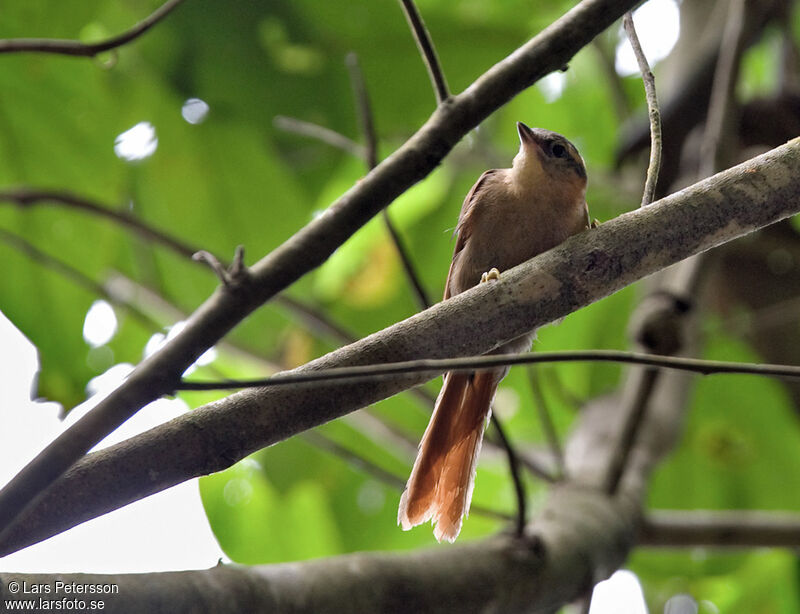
(583, 269)
(308, 248)
(79, 49)
(562, 556)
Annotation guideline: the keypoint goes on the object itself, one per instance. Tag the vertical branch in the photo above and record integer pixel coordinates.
(721, 105)
(427, 50)
(634, 412)
(363, 109)
(688, 272)
(519, 486)
(371, 156)
(652, 110)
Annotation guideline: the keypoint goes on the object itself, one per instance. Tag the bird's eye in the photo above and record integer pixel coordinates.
(559, 151)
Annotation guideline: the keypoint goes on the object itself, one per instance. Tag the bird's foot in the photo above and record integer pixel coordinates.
(491, 275)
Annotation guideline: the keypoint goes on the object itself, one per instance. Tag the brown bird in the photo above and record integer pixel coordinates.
(509, 216)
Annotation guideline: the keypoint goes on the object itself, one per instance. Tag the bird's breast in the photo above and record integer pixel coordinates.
(508, 229)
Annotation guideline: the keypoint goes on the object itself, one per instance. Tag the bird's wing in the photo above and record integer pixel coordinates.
(463, 227)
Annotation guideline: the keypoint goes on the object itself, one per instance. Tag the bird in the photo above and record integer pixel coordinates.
(510, 215)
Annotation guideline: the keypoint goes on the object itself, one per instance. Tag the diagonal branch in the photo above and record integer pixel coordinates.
(309, 247)
(320, 133)
(546, 421)
(75, 276)
(28, 197)
(583, 269)
(427, 50)
(364, 465)
(79, 49)
(367, 122)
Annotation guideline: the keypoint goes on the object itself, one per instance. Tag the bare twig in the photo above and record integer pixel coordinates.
(546, 421)
(27, 197)
(652, 109)
(408, 266)
(634, 418)
(516, 477)
(363, 110)
(636, 410)
(367, 122)
(74, 275)
(359, 462)
(365, 465)
(78, 49)
(427, 50)
(605, 55)
(434, 367)
(320, 133)
(715, 150)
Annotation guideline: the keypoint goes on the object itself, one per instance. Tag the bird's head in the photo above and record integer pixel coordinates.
(547, 159)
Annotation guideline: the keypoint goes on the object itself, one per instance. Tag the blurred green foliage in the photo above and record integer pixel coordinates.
(235, 179)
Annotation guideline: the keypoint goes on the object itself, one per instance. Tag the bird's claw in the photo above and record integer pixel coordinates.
(491, 275)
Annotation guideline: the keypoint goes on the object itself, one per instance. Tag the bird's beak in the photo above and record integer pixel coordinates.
(526, 136)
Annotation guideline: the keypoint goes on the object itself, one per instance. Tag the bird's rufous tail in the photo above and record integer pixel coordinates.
(440, 486)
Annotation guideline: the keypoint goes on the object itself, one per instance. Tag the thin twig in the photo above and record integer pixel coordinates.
(320, 133)
(436, 366)
(27, 197)
(363, 109)
(365, 118)
(79, 49)
(652, 109)
(713, 150)
(426, 48)
(634, 418)
(546, 421)
(605, 55)
(361, 463)
(411, 273)
(75, 276)
(635, 412)
(516, 477)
